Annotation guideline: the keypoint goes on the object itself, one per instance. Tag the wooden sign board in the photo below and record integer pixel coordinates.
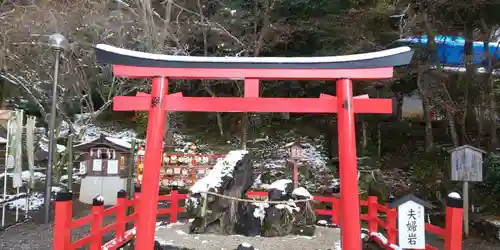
(467, 164)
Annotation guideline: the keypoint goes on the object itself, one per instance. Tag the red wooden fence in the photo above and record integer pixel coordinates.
(451, 234)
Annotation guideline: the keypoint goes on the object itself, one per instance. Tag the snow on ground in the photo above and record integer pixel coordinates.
(83, 125)
(176, 235)
(280, 185)
(3, 140)
(76, 178)
(25, 176)
(301, 192)
(35, 201)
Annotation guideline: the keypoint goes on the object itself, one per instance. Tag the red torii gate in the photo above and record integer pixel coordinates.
(133, 64)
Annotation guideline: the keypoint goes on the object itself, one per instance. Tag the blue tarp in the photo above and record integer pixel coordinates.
(451, 49)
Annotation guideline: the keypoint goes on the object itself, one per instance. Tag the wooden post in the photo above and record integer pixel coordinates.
(174, 206)
(70, 163)
(121, 215)
(453, 229)
(295, 174)
(336, 211)
(193, 170)
(372, 214)
(62, 221)
(466, 208)
(96, 224)
(130, 181)
(466, 166)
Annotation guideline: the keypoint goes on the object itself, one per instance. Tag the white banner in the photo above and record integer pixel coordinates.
(17, 145)
(30, 150)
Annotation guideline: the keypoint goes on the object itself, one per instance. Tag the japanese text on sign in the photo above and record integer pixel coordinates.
(411, 225)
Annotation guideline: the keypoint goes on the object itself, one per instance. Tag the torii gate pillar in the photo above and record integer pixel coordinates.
(349, 193)
(377, 65)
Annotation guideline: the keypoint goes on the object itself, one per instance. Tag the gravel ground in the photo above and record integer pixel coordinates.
(176, 235)
(34, 235)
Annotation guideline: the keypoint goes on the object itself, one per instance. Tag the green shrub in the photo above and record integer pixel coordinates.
(487, 193)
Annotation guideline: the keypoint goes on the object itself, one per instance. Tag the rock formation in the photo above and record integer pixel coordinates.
(232, 177)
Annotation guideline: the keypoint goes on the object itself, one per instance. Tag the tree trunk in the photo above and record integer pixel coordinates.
(480, 118)
(244, 131)
(453, 128)
(399, 105)
(364, 137)
(493, 116)
(429, 138)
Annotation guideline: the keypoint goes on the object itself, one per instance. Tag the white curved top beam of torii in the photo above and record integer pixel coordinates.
(375, 65)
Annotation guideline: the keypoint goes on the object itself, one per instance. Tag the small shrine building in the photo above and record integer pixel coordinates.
(104, 165)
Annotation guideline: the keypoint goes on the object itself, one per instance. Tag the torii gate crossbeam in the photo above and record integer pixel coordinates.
(343, 69)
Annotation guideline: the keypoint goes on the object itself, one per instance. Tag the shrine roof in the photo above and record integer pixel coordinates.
(410, 197)
(400, 56)
(105, 141)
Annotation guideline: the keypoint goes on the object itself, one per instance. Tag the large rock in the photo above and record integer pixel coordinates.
(216, 213)
(230, 177)
(486, 228)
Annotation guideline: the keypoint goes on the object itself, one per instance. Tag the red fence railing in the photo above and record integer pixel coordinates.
(451, 234)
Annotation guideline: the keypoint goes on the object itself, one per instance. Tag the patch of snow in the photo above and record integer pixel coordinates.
(83, 125)
(384, 241)
(260, 210)
(221, 169)
(280, 185)
(180, 232)
(56, 189)
(454, 195)
(300, 191)
(322, 222)
(76, 178)
(25, 176)
(338, 245)
(119, 142)
(380, 236)
(290, 206)
(34, 202)
(44, 145)
(3, 140)
(170, 225)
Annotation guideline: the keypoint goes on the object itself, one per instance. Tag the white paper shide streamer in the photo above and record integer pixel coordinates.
(16, 148)
(30, 130)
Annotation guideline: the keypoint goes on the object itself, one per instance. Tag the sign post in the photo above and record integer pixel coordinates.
(466, 166)
(411, 221)
(295, 153)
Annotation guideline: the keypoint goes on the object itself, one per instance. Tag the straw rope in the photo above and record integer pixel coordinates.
(254, 201)
(259, 201)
